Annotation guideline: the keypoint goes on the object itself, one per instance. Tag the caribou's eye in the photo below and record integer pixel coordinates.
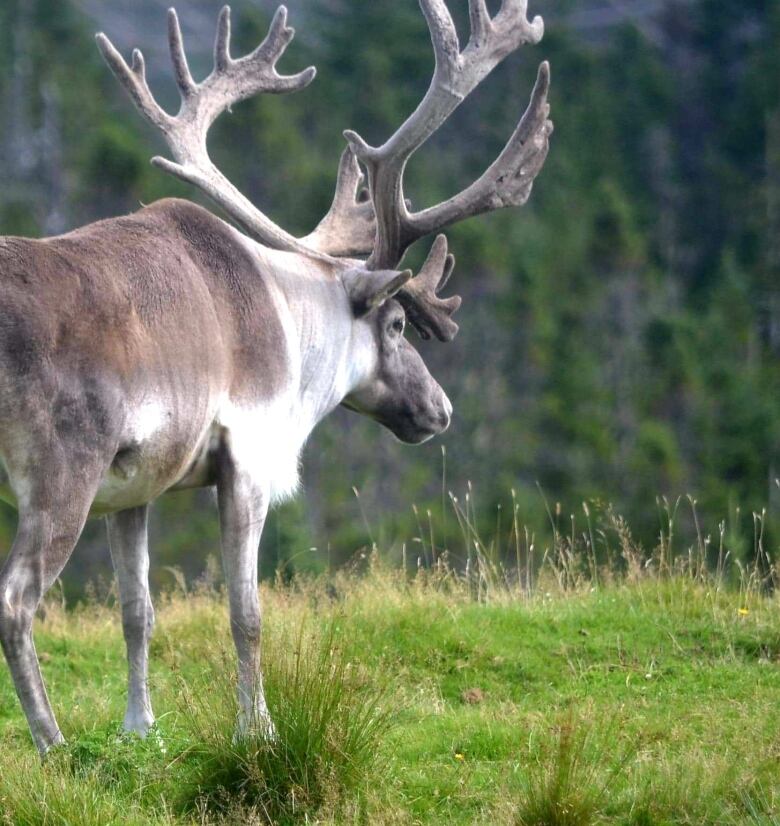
(397, 326)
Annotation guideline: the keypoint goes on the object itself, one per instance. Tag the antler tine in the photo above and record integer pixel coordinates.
(349, 227)
(278, 37)
(455, 76)
(181, 69)
(133, 78)
(201, 103)
(479, 19)
(234, 79)
(261, 63)
(222, 57)
(508, 180)
(349, 180)
(429, 314)
(444, 35)
(449, 266)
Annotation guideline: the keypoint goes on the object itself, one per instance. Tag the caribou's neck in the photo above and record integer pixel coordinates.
(329, 352)
(324, 353)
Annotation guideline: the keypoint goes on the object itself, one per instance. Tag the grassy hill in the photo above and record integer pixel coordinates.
(650, 699)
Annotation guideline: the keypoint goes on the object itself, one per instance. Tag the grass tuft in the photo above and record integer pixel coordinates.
(567, 781)
(329, 723)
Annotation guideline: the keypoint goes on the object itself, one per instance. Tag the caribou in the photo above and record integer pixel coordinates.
(170, 349)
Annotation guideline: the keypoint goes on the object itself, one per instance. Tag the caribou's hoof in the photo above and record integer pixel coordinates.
(50, 751)
(140, 724)
(148, 732)
(259, 727)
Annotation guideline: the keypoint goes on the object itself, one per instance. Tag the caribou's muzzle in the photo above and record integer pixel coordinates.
(422, 424)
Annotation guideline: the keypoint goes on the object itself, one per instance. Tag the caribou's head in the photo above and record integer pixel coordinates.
(399, 392)
(374, 224)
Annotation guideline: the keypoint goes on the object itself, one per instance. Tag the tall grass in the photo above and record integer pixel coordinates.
(329, 720)
(510, 560)
(70, 791)
(566, 781)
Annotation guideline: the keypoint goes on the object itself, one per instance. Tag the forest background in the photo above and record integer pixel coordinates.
(620, 334)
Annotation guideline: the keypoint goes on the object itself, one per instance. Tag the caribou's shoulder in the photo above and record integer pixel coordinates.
(178, 209)
(187, 218)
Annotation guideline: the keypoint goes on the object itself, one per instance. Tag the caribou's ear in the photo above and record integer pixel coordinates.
(367, 290)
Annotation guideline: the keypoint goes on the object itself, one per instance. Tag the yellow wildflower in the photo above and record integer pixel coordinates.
(743, 612)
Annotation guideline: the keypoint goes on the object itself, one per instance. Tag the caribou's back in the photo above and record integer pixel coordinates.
(122, 337)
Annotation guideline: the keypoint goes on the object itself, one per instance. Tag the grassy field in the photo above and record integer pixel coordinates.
(650, 699)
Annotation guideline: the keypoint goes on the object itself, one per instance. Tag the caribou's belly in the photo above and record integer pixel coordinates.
(126, 488)
(140, 472)
(165, 442)
(160, 450)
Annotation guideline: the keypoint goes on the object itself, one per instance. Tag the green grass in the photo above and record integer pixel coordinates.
(648, 700)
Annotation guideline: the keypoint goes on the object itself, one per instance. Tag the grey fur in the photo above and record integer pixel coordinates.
(165, 350)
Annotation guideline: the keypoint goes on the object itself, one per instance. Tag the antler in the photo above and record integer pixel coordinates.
(349, 227)
(429, 314)
(381, 225)
(230, 81)
(508, 180)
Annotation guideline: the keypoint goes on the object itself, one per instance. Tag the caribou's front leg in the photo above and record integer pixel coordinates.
(243, 505)
(127, 537)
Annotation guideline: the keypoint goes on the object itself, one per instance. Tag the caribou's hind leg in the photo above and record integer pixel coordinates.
(242, 510)
(51, 516)
(127, 536)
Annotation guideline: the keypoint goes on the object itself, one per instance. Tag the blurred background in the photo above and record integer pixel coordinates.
(620, 334)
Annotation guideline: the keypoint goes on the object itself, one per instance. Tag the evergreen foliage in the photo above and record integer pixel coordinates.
(620, 335)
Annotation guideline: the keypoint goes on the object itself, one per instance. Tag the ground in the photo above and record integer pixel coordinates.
(643, 700)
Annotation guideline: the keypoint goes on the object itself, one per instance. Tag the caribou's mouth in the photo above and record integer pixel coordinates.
(412, 431)
(411, 428)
